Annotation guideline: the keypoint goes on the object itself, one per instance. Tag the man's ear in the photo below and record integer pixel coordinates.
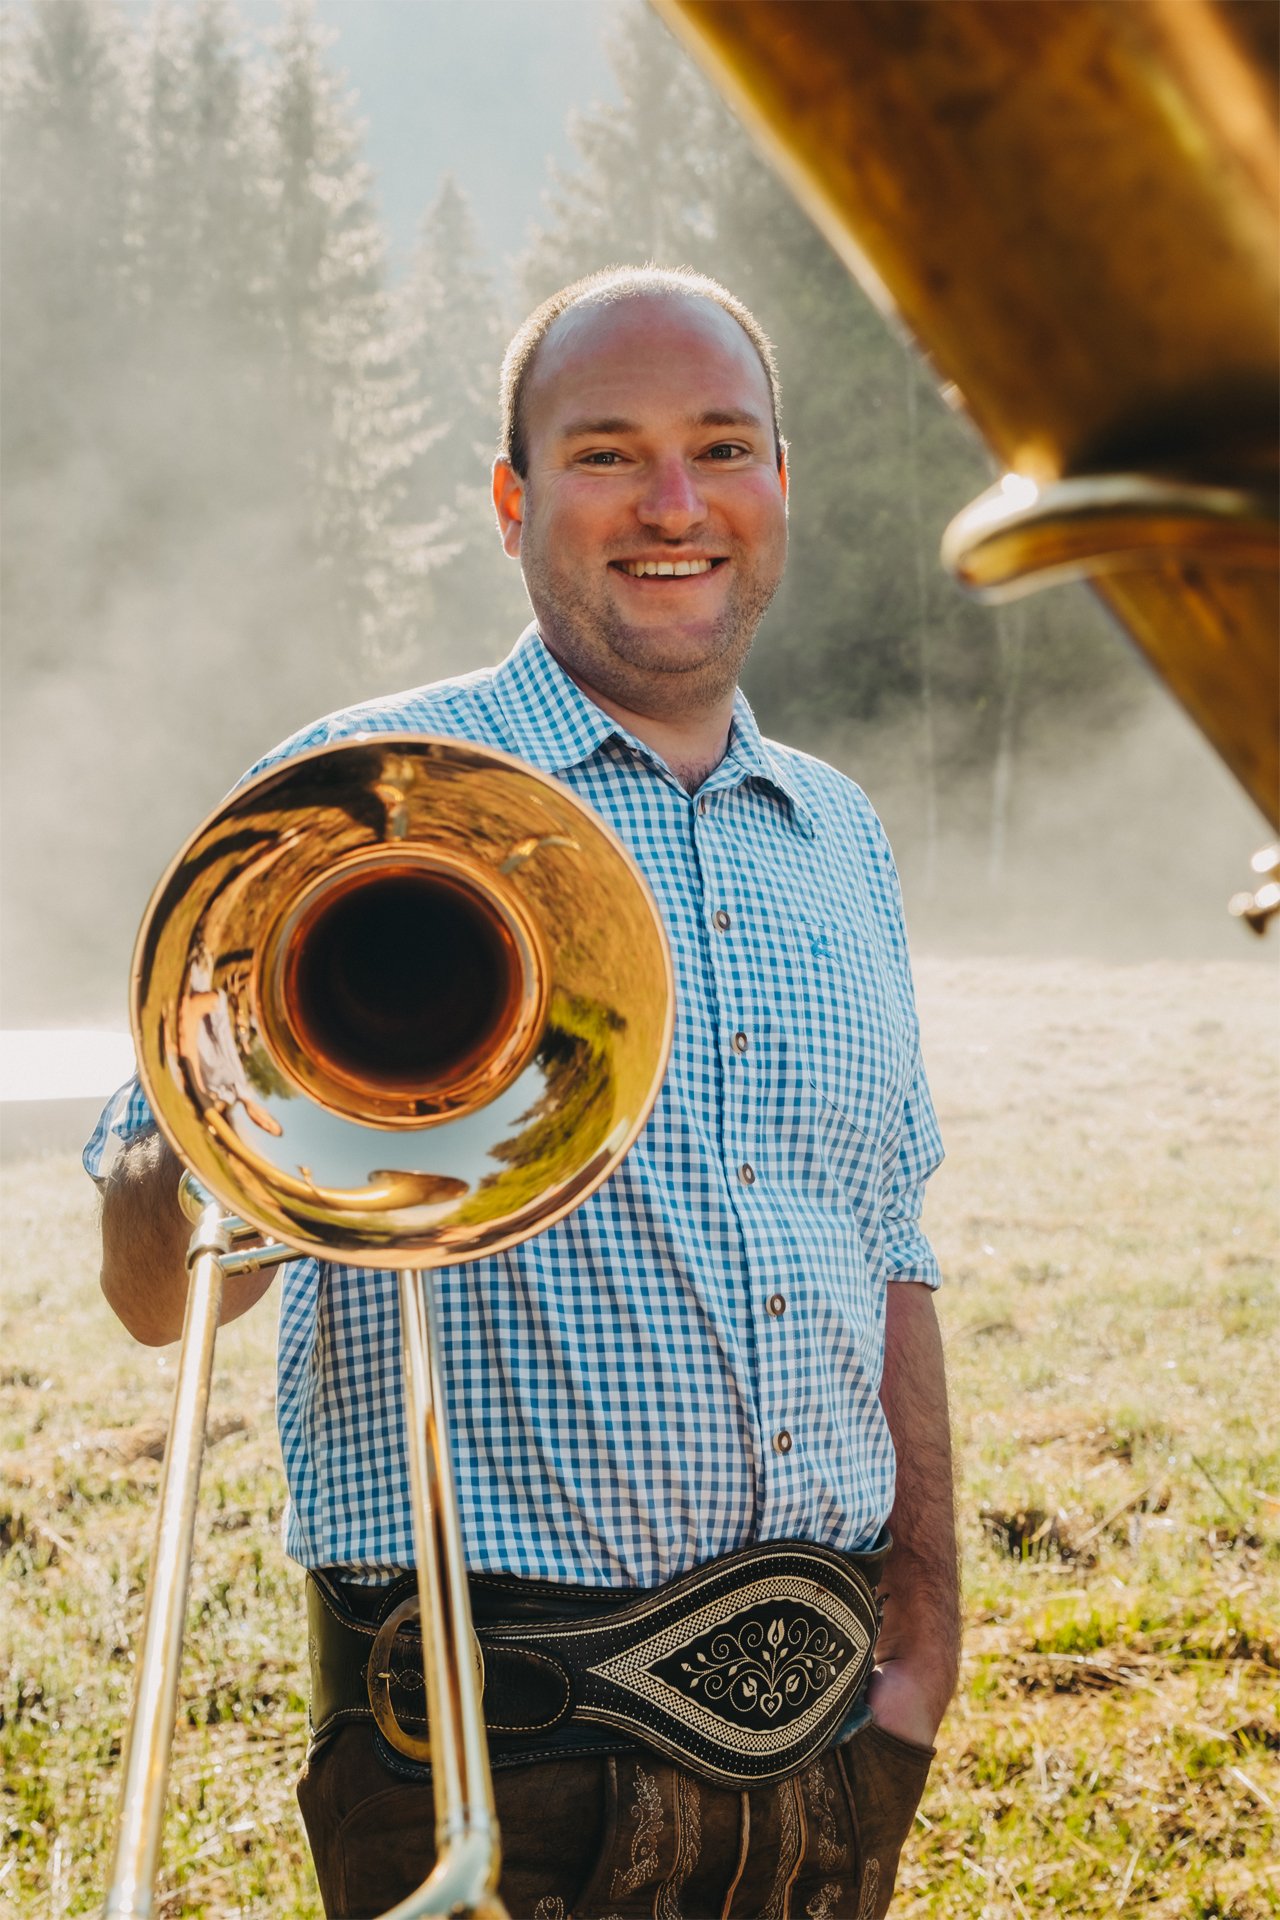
(508, 504)
(784, 477)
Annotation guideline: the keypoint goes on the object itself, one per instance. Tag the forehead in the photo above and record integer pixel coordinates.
(655, 352)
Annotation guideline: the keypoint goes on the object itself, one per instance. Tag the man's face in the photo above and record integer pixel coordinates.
(650, 437)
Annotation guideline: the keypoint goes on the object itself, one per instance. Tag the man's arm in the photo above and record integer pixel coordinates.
(918, 1652)
(144, 1246)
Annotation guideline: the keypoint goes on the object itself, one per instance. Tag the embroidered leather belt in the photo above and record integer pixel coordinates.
(741, 1671)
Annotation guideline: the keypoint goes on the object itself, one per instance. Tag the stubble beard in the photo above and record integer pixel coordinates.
(644, 668)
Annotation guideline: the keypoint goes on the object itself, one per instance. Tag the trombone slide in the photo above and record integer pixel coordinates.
(130, 1895)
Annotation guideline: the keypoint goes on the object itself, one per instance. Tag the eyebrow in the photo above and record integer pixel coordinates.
(615, 424)
(719, 417)
(607, 423)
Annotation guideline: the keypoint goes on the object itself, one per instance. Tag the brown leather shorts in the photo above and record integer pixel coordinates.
(629, 1835)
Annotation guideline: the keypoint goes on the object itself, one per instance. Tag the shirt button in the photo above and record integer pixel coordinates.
(720, 920)
(739, 1042)
(782, 1442)
(746, 1173)
(702, 804)
(777, 1304)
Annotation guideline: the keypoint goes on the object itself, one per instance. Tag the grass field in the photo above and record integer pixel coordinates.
(1108, 1224)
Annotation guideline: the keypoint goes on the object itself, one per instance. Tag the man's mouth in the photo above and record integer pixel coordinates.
(664, 569)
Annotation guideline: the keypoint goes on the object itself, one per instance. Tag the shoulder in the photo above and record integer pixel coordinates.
(850, 834)
(840, 807)
(462, 708)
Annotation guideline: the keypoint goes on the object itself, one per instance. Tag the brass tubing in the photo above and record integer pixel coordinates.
(465, 1877)
(1017, 538)
(130, 1894)
(254, 1259)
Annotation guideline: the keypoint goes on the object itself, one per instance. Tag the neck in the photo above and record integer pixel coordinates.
(692, 743)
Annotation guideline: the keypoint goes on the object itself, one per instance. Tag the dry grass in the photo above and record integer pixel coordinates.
(1108, 1223)
(1107, 1220)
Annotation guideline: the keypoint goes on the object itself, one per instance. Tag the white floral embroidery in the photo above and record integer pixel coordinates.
(870, 1890)
(646, 1810)
(831, 1850)
(790, 1841)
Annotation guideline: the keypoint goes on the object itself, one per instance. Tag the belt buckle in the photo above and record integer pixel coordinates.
(380, 1675)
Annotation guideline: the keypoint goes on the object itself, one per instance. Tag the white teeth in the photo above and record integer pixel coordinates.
(651, 569)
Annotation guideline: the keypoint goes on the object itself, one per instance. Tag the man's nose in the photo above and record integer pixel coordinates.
(672, 499)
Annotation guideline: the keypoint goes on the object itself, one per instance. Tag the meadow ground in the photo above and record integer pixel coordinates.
(1108, 1224)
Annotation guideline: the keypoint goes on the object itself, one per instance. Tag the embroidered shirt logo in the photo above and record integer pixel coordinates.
(823, 937)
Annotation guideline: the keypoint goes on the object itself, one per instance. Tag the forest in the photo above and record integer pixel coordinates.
(245, 469)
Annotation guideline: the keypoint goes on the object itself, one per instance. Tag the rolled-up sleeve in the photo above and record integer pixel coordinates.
(910, 1159)
(126, 1115)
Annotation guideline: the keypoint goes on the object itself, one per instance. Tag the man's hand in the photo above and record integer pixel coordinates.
(144, 1247)
(908, 1703)
(918, 1651)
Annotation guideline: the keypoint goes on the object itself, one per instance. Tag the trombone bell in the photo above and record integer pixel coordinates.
(403, 997)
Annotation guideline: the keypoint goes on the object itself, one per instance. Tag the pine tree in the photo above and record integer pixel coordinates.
(450, 294)
(478, 603)
(162, 226)
(350, 354)
(68, 153)
(652, 171)
(68, 156)
(205, 239)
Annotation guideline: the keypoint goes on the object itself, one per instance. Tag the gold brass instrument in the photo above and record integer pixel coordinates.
(1074, 207)
(402, 1002)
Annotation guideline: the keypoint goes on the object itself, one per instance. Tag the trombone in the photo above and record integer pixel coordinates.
(405, 1002)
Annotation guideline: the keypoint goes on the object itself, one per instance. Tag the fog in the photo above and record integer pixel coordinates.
(1122, 847)
(246, 433)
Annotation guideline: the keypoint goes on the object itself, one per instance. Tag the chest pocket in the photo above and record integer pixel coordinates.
(854, 1043)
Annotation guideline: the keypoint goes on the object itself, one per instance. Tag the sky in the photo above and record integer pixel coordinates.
(461, 85)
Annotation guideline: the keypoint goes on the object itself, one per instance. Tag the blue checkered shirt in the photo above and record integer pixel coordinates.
(691, 1361)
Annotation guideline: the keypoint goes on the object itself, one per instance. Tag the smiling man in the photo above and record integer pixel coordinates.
(706, 1412)
(644, 492)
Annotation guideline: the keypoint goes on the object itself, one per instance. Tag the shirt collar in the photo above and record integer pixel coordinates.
(749, 752)
(554, 726)
(552, 723)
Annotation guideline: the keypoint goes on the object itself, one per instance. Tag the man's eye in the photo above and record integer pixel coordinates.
(605, 457)
(726, 450)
